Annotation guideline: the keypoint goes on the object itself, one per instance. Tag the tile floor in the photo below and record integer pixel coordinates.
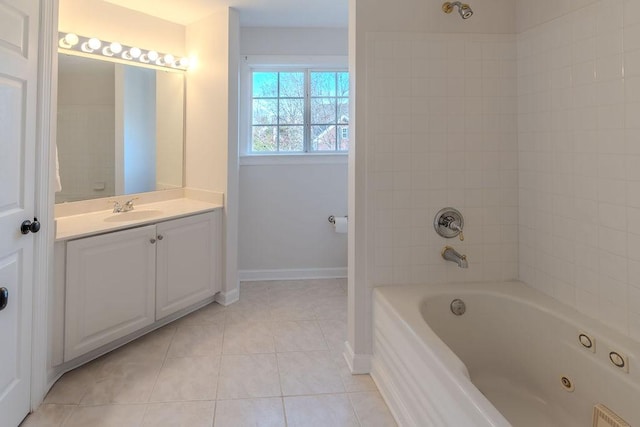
(272, 359)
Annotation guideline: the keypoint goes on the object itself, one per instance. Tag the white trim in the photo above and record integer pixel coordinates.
(293, 274)
(43, 262)
(294, 159)
(358, 363)
(228, 298)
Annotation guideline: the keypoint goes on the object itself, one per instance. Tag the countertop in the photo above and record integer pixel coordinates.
(87, 224)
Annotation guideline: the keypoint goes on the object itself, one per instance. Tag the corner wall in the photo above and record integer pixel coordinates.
(211, 148)
(579, 110)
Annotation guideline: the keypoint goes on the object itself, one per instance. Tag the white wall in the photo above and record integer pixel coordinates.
(435, 126)
(283, 227)
(211, 155)
(106, 21)
(579, 110)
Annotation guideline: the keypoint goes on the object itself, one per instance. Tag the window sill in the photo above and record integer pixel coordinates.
(293, 159)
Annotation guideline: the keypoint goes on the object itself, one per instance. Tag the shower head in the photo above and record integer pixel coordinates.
(463, 9)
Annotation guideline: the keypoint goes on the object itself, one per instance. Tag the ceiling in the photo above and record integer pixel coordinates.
(253, 13)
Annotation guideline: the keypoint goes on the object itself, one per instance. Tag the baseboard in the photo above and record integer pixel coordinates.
(228, 298)
(293, 274)
(358, 363)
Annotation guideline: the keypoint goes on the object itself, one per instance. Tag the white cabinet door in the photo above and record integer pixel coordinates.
(110, 288)
(188, 267)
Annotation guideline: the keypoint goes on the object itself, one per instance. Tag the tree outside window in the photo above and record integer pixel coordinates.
(300, 111)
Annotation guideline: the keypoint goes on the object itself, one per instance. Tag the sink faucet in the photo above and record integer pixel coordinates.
(451, 254)
(128, 206)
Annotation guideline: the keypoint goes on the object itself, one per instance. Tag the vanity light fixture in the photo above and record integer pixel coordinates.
(71, 42)
(90, 45)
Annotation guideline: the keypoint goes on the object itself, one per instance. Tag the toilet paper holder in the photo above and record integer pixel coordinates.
(332, 219)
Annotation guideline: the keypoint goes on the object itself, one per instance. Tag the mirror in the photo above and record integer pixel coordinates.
(120, 129)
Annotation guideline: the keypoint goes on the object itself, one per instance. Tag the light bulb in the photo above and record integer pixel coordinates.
(94, 43)
(168, 59)
(135, 52)
(184, 62)
(152, 55)
(115, 47)
(69, 40)
(91, 45)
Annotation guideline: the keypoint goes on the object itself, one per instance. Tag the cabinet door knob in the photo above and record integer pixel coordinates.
(160, 237)
(152, 240)
(4, 298)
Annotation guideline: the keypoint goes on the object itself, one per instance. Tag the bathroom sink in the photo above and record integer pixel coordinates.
(134, 215)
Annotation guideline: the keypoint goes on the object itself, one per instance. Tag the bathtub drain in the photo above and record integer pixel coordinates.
(458, 307)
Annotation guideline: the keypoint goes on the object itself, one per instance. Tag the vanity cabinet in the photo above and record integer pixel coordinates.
(187, 262)
(120, 282)
(110, 289)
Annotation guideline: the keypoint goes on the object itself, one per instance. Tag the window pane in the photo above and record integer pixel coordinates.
(291, 138)
(292, 111)
(343, 138)
(343, 84)
(264, 138)
(323, 110)
(323, 138)
(292, 85)
(265, 111)
(343, 110)
(323, 83)
(265, 84)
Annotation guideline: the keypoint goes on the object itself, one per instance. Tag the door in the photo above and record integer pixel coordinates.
(19, 21)
(110, 289)
(188, 263)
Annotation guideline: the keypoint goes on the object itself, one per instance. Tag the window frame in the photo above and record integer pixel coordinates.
(284, 63)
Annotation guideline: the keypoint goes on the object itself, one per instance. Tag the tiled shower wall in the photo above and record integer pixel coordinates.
(579, 158)
(441, 121)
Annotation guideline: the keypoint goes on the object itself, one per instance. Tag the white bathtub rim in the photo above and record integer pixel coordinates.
(451, 373)
(408, 299)
(526, 295)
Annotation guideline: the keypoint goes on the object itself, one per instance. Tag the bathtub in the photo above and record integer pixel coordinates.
(513, 358)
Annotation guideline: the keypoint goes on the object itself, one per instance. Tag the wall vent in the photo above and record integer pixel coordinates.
(605, 417)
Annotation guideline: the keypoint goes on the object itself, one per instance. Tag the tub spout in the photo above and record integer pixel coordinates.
(451, 254)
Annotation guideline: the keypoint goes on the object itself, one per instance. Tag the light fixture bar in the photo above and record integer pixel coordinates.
(70, 42)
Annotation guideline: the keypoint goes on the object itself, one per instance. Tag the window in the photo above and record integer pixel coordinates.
(299, 111)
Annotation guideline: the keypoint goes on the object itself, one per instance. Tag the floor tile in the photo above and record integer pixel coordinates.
(123, 382)
(371, 410)
(248, 338)
(106, 416)
(152, 346)
(250, 413)
(331, 308)
(293, 308)
(304, 373)
(320, 411)
(179, 414)
(187, 378)
(211, 313)
(48, 415)
(298, 336)
(248, 313)
(197, 340)
(335, 333)
(247, 376)
(71, 387)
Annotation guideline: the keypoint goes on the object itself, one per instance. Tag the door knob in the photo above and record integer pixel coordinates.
(30, 227)
(4, 298)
